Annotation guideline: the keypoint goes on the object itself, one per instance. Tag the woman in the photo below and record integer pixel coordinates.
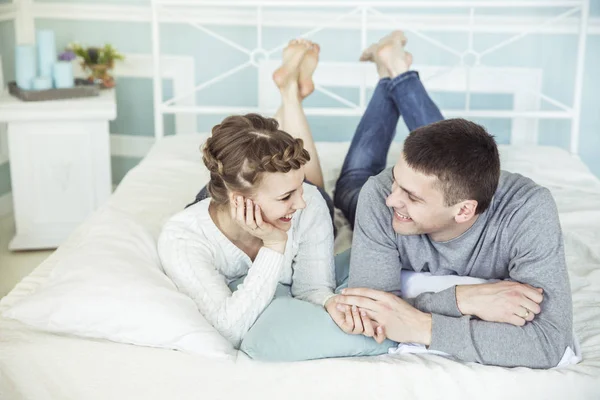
(262, 219)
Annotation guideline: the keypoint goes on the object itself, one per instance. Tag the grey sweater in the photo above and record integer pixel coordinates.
(517, 238)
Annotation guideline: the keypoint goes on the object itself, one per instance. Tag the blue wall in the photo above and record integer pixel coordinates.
(555, 54)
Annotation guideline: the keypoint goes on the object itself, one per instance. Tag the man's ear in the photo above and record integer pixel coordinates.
(466, 212)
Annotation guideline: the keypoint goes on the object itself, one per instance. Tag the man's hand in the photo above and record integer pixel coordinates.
(398, 320)
(353, 321)
(509, 302)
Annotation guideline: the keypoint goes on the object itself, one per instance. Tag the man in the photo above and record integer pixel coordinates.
(446, 208)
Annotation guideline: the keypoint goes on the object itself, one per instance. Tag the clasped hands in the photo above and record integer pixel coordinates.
(382, 315)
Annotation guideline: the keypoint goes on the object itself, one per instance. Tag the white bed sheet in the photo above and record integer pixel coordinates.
(39, 365)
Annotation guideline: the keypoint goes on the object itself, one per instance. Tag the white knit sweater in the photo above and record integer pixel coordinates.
(201, 261)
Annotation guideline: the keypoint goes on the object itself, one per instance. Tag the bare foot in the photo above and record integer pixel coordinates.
(307, 68)
(287, 75)
(368, 53)
(389, 55)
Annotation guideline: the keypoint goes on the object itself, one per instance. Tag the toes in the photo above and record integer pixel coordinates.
(366, 57)
(399, 35)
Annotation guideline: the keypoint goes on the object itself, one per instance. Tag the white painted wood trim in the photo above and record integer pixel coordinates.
(120, 145)
(24, 22)
(6, 204)
(303, 19)
(130, 145)
(8, 12)
(179, 69)
(3, 144)
(99, 108)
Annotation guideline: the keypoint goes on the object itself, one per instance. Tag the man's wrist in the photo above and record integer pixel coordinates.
(425, 329)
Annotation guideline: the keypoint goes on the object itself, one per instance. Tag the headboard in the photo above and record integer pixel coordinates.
(419, 18)
(521, 83)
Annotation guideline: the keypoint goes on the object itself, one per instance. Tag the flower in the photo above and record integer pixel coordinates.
(97, 60)
(67, 55)
(93, 54)
(90, 56)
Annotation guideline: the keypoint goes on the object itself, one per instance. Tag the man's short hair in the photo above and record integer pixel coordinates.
(462, 155)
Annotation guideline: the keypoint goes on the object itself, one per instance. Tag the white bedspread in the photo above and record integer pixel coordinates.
(38, 365)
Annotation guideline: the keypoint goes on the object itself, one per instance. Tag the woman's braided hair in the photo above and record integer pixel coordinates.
(242, 148)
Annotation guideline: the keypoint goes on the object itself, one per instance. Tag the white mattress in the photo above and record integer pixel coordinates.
(38, 365)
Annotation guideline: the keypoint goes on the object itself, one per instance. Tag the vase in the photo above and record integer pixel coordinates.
(99, 73)
(63, 74)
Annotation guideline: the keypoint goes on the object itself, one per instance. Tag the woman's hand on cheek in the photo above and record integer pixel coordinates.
(249, 217)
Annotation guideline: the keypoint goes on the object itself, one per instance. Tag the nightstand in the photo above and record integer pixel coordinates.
(59, 155)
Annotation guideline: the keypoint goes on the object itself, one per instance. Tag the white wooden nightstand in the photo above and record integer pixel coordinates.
(59, 154)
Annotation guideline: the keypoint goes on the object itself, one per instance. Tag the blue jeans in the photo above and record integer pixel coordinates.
(402, 96)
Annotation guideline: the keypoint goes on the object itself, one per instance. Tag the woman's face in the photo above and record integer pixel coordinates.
(279, 196)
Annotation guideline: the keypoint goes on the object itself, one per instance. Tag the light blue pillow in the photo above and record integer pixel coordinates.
(294, 330)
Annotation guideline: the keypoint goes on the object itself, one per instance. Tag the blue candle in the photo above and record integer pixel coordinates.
(46, 52)
(25, 66)
(63, 74)
(42, 83)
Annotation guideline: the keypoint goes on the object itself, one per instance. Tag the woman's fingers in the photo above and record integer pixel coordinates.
(349, 324)
(250, 223)
(258, 216)
(233, 210)
(240, 211)
(358, 323)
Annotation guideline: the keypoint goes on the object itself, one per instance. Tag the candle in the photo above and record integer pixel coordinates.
(25, 66)
(46, 52)
(63, 74)
(42, 83)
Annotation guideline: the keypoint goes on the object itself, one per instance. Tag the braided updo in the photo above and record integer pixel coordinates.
(242, 148)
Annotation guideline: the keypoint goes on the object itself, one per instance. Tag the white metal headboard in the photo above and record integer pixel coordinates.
(470, 75)
(521, 83)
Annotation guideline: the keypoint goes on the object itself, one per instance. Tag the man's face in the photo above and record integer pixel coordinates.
(418, 204)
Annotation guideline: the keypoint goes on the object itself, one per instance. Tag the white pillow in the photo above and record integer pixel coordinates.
(112, 287)
(415, 283)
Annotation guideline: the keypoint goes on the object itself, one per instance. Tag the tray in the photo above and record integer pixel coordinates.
(79, 90)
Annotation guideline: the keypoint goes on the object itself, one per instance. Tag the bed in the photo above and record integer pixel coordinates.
(40, 365)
